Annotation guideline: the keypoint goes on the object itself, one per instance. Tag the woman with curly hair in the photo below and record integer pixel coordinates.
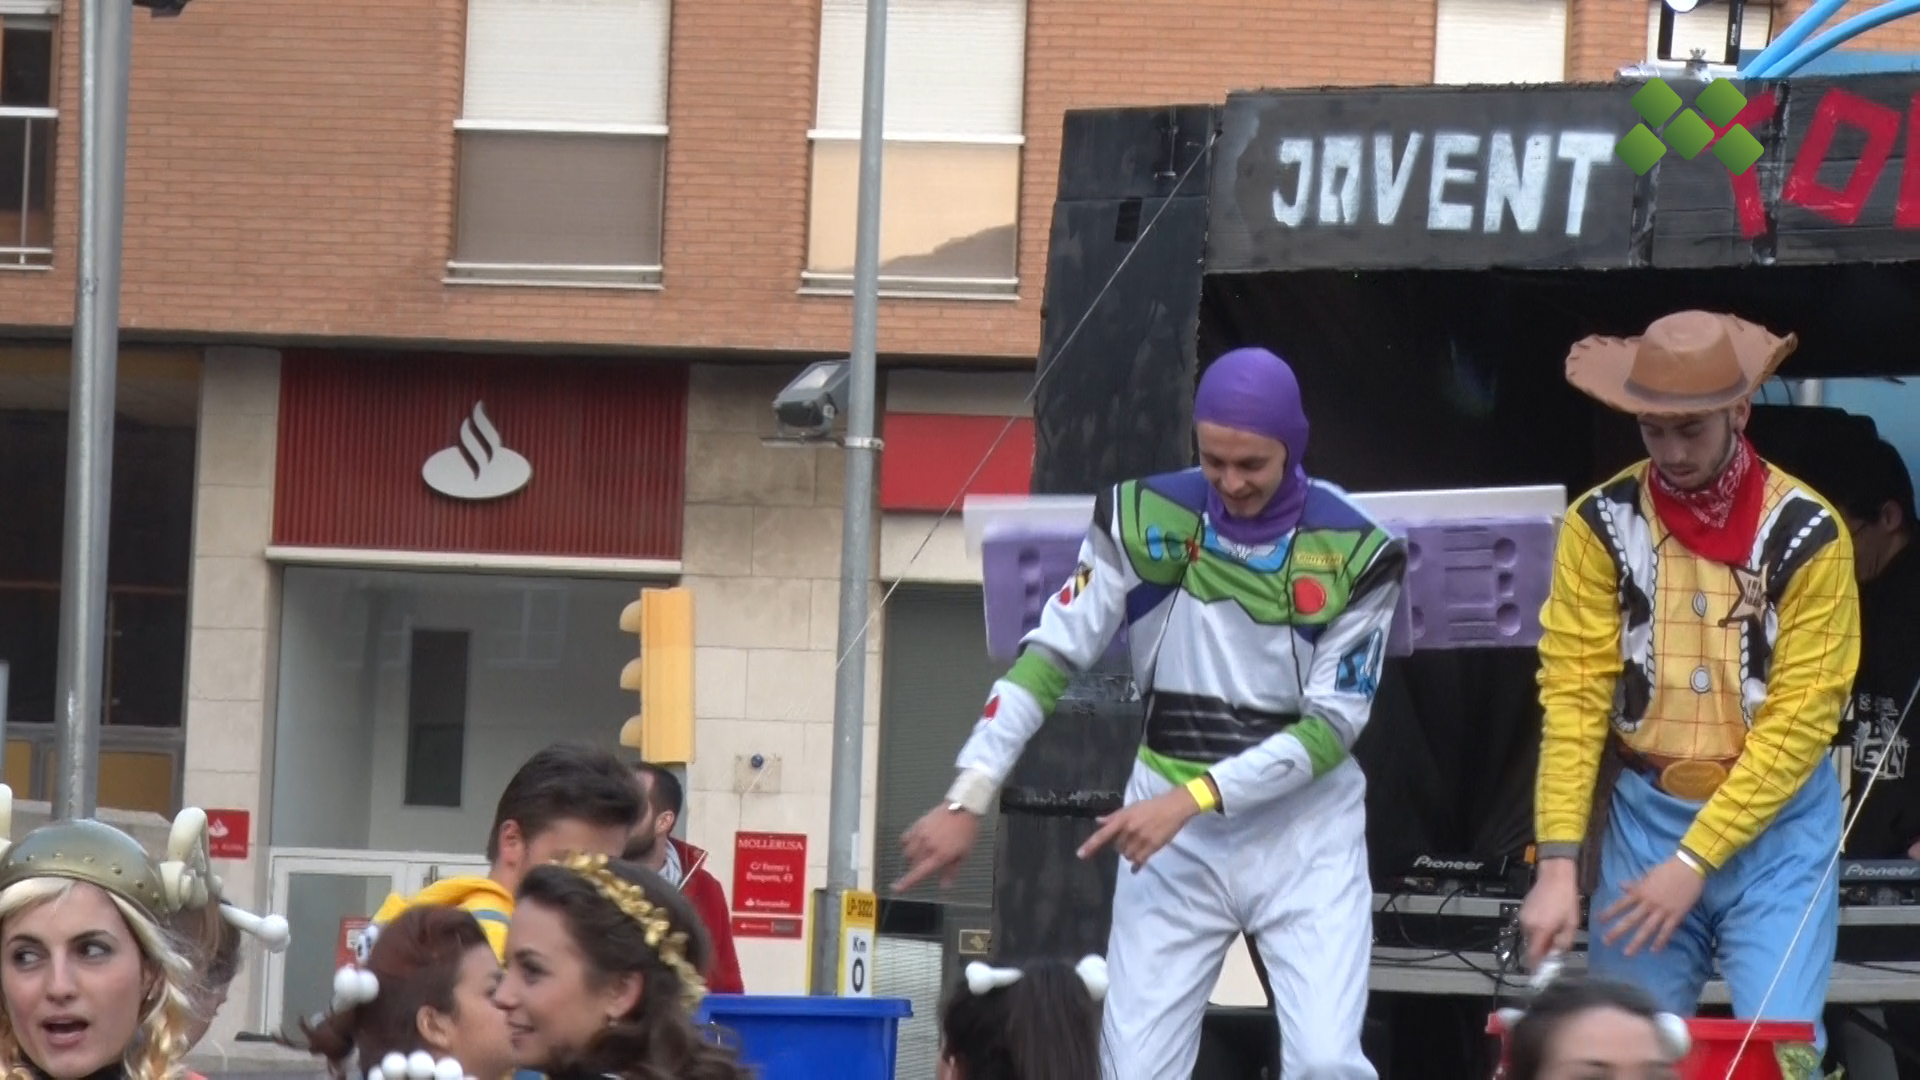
(603, 963)
(92, 984)
(417, 1003)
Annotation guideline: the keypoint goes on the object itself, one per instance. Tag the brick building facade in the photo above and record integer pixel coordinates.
(357, 176)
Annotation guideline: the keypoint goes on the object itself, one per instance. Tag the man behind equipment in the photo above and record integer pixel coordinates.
(1700, 636)
(1258, 603)
(1875, 497)
(1868, 482)
(567, 797)
(653, 846)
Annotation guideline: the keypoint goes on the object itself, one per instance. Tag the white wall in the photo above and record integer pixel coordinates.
(762, 556)
(325, 726)
(229, 683)
(544, 667)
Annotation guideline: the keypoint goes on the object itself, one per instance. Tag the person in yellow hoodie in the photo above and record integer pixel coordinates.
(1699, 644)
(566, 798)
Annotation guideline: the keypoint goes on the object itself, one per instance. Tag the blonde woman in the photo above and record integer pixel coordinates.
(91, 984)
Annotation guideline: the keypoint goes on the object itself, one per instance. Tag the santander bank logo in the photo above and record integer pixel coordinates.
(481, 467)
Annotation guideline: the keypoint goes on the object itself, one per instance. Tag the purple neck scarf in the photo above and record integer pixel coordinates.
(1253, 390)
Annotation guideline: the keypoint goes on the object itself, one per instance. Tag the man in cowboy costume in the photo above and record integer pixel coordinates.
(1258, 602)
(1698, 646)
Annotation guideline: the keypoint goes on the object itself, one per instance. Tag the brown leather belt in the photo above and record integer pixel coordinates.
(1692, 779)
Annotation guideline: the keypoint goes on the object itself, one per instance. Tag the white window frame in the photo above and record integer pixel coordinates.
(13, 255)
(1769, 14)
(1565, 8)
(407, 871)
(641, 277)
(917, 287)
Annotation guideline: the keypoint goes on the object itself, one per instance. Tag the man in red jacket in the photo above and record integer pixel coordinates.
(652, 845)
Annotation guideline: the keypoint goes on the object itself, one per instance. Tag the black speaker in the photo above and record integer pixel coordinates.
(1238, 1044)
(1114, 401)
(1117, 366)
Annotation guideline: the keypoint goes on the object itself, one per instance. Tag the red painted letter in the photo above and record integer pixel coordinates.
(1746, 187)
(1882, 126)
(1906, 209)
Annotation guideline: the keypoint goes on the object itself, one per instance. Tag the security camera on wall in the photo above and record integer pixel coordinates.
(162, 9)
(805, 410)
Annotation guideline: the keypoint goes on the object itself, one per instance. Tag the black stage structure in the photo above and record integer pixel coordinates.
(1424, 257)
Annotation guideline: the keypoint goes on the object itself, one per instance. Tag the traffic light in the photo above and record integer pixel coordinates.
(662, 675)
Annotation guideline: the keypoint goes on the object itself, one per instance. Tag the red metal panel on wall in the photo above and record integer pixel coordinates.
(931, 456)
(606, 443)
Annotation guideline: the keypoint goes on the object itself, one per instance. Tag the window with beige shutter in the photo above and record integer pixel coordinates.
(1705, 29)
(562, 143)
(954, 125)
(29, 59)
(1500, 41)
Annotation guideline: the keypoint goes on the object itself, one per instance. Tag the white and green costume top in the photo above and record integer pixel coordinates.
(1258, 665)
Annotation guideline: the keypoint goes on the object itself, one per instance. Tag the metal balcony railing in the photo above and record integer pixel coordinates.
(26, 150)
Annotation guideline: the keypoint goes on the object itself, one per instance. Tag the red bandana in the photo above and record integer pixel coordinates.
(1718, 521)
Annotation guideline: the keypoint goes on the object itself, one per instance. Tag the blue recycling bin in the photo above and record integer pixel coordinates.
(801, 1037)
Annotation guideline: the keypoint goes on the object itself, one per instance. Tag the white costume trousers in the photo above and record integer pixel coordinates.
(1294, 875)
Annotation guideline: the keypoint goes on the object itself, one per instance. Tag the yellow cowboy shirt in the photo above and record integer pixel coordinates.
(1688, 659)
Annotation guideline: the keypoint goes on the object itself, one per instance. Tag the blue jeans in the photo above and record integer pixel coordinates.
(1752, 909)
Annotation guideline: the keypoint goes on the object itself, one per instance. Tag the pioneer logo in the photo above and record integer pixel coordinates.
(1465, 866)
(1881, 871)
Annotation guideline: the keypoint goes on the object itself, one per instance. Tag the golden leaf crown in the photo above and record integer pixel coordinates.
(654, 922)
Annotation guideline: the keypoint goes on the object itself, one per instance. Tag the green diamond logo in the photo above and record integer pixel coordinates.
(1640, 149)
(1688, 134)
(1738, 150)
(1655, 102)
(1720, 102)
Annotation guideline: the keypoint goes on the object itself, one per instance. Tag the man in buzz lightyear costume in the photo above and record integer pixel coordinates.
(1699, 642)
(1258, 604)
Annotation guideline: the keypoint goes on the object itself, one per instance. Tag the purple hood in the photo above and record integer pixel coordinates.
(1255, 391)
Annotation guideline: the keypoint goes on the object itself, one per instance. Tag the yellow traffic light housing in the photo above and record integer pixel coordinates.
(662, 675)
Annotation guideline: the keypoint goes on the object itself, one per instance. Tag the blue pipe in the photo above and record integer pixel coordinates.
(1790, 39)
(1846, 31)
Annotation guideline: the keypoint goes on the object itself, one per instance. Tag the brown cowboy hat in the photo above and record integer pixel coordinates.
(1687, 362)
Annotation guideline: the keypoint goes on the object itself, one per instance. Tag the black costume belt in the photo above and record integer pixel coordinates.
(1206, 730)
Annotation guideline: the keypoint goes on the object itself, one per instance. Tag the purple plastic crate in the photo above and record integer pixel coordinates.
(1471, 584)
(1475, 584)
(1021, 569)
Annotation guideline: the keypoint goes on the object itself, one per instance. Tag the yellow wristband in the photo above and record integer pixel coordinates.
(1202, 793)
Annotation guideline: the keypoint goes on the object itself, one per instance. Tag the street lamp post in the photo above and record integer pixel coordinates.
(106, 61)
(856, 552)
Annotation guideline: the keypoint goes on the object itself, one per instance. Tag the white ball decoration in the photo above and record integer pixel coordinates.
(394, 1065)
(420, 1066)
(449, 1069)
(274, 932)
(1674, 1035)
